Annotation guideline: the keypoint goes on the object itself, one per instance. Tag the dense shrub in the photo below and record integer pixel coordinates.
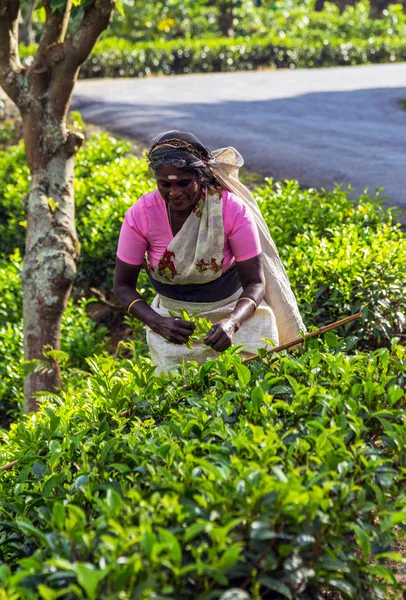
(14, 185)
(166, 20)
(115, 57)
(353, 23)
(108, 181)
(278, 479)
(342, 256)
(196, 20)
(118, 58)
(81, 337)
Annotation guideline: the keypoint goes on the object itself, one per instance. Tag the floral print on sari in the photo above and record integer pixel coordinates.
(166, 267)
(203, 265)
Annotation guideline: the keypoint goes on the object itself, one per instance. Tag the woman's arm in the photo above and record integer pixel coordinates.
(172, 329)
(251, 272)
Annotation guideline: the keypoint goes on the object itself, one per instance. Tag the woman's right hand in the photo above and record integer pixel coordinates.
(174, 329)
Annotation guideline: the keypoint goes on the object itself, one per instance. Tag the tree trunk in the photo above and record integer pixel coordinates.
(319, 5)
(42, 93)
(50, 262)
(225, 19)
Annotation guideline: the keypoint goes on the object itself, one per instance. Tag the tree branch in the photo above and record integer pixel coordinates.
(10, 66)
(51, 49)
(67, 58)
(95, 20)
(56, 25)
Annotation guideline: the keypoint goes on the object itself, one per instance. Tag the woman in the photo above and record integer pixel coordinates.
(208, 251)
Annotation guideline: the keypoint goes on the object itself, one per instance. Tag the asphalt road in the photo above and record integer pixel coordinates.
(319, 126)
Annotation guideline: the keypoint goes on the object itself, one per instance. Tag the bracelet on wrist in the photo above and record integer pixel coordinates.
(247, 298)
(133, 302)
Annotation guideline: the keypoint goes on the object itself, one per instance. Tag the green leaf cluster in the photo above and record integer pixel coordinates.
(116, 57)
(202, 326)
(194, 19)
(342, 256)
(285, 477)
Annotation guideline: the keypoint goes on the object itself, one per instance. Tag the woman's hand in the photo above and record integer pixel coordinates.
(221, 335)
(173, 329)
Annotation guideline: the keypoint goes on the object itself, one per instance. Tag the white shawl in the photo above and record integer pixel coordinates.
(278, 293)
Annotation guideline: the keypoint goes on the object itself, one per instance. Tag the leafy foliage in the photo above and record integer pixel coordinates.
(341, 256)
(115, 57)
(171, 19)
(183, 37)
(275, 480)
(283, 477)
(201, 324)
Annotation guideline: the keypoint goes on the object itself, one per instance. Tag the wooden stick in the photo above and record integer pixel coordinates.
(11, 464)
(308, 335)
(8, 466)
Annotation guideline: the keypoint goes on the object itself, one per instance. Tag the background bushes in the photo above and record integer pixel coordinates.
(277, 36)
(115, 57)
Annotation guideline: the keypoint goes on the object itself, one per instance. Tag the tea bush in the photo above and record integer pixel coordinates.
(277, 479)
(81, 337)
(341, 256)
(116, 57)
(277, 34)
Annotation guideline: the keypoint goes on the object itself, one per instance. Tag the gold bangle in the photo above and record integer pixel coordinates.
(247, 298)
(133, 302)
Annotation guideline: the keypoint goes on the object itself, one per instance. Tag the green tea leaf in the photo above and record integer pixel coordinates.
(276, 586)
(243, 373)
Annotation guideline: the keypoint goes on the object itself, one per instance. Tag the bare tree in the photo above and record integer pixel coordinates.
(42, 93)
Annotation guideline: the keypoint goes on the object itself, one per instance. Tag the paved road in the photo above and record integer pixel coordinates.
(319, 126)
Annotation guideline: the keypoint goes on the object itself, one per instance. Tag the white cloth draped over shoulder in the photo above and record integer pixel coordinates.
(278, 292)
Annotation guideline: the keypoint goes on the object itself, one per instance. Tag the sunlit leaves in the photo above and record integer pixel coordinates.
(200, 483)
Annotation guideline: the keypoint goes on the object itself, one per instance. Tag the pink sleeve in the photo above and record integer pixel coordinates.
(241, 230)
(133, 242)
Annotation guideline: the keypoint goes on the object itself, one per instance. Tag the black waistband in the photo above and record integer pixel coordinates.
(224, 286)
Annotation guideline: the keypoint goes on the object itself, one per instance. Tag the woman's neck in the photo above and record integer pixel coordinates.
(177, 218)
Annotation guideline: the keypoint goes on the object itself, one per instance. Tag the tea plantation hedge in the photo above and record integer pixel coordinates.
(285, 35)
(275, 481)
(116, 57)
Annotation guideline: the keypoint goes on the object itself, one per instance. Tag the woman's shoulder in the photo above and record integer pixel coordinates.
(140, 213)
(148, 200)
(231, 200)
(233, 206)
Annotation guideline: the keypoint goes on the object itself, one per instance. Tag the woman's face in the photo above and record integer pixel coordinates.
(180, 189)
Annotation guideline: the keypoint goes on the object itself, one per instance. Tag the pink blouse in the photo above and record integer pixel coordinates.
(146, 229)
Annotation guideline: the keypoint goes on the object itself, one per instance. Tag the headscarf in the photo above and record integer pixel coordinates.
(224, 164)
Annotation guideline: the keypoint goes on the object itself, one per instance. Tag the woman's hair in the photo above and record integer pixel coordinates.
(183, 151)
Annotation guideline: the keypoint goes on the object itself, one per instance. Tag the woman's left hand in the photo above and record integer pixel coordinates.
(221, 335)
